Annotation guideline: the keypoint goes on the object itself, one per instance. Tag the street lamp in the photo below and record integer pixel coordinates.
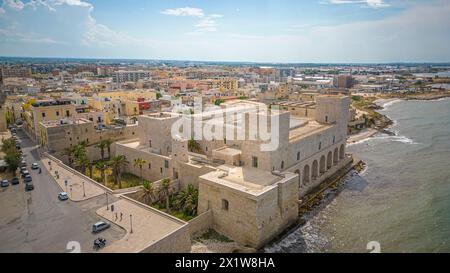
(131, 223)
(84, 192)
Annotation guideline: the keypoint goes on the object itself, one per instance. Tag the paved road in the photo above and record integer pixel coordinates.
(38, 222)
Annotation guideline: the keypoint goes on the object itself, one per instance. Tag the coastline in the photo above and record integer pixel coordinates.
(384, 101)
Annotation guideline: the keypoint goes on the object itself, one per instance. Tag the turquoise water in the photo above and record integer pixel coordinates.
(402, 199)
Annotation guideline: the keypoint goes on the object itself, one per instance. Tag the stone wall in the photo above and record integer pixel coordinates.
(201, 223)
(178, 241)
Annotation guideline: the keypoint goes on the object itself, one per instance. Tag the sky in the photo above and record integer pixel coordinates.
(286, 31)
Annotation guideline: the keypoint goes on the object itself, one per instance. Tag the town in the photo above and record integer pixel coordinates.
(178, 156)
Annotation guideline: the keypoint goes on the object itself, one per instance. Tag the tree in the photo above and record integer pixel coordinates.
(108, 142)
(83, 162)
(148, 193)
(139, 162)
(193, 146)
(8, 144)
(102, 146)
(69, 152)
(102, 167)
(12, 158)
(158, 95)
(187, 200)
(117, 163)
(165, 190)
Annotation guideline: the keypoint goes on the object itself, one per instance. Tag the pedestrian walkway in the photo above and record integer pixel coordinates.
(144, 227)
(77, 187)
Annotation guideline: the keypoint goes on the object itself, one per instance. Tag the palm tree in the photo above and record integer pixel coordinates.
(108, 142)
(83, 163)
(102, 167)
(148, 194)
(165, 189)
(102, 146)
(187, 200)
(139, 162)
(117, 163)
(69, 152)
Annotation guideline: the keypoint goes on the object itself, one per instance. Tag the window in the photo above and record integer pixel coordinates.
(320, 145)
(282, 165)
(166, 164)
(150, 143)
(326, 118)
(160, 169)
(225, 204)
(43, 115)
(57, 113)
(149, 166)
(68, 113)
(298, 156)
(254, 162)
(334, 139)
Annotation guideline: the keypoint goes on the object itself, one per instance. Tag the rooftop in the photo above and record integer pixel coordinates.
(312, 127)
(254, 182)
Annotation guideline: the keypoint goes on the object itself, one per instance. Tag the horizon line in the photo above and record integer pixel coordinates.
(221, 61)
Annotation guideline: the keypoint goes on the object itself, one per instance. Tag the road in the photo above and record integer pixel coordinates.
(38, 222)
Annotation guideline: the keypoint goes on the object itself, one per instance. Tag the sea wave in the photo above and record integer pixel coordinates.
(386, 104)
(402, 139)
(384, 137)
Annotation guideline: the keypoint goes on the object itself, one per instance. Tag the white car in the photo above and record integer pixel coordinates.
(63, 196)
(34, 166)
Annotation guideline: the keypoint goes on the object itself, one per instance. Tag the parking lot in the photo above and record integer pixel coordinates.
(37, 221)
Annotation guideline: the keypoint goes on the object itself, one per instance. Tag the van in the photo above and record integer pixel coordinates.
(99, 226)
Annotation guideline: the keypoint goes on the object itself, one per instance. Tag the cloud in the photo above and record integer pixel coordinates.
(369, 3)
(207, 23)
(186, 11)
(75, 21)
(14, 4)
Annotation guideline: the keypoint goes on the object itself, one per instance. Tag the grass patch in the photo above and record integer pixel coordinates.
(128, 180)
(175, 213)
(211, 234)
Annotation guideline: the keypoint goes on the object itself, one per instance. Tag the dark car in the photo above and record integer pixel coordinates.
(29, 187)
(100, 226)
(15, 181)
(5, 183)
(27, 178)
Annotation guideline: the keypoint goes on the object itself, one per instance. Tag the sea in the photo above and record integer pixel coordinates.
(399, 203)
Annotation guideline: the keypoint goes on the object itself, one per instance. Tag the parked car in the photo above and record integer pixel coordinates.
(29, 187)
(100, 226)
(23, 163)
(62, 196)
(15, 181)
(5, 183)
(25, 173)
(34, 166)
(27, 178)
